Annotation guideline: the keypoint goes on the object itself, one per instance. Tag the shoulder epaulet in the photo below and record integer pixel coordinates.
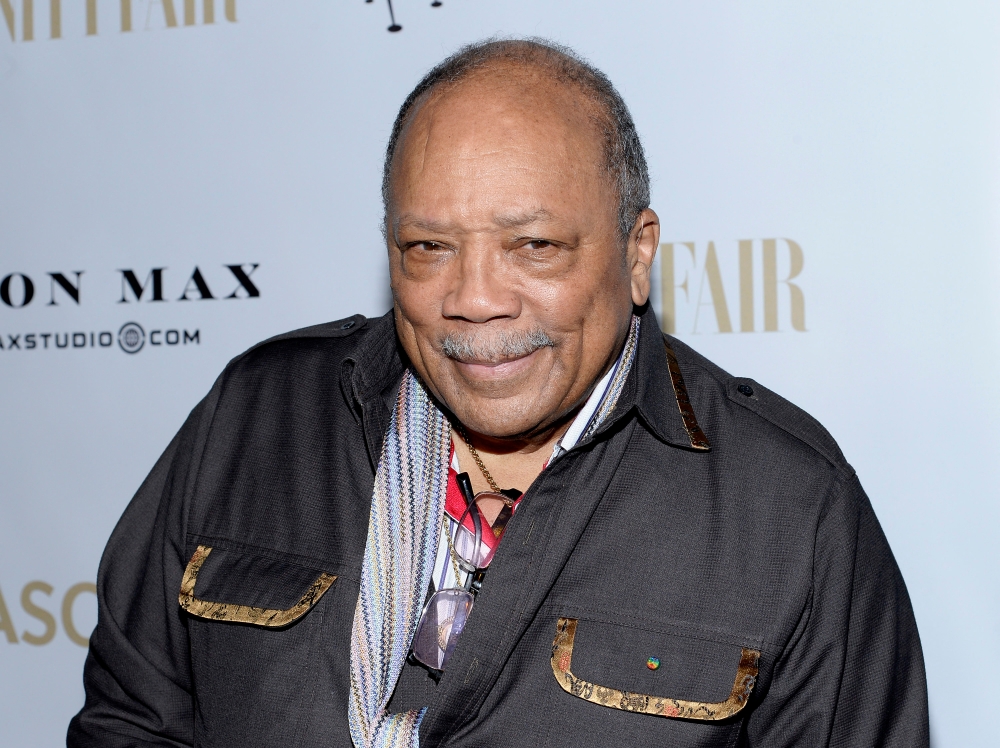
(337, 329)
(763, 402)
(340, 328)
(786, 416)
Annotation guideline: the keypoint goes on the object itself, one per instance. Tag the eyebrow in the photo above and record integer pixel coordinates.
(508, 221)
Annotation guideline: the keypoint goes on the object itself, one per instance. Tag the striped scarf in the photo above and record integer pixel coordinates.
(407, 502)
(400, 551)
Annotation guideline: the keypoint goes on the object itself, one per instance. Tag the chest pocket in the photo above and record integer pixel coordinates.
(256, 628)
(613, 654)
(635, 683)
(241, 588)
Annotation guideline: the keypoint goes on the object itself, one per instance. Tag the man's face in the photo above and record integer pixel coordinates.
(512, 293)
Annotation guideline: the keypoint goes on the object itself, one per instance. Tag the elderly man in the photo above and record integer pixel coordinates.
(511, 512)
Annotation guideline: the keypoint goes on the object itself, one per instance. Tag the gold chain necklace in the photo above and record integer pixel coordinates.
(452, 553)
(479, 461)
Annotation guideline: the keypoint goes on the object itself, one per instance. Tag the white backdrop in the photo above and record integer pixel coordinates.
(852, 145)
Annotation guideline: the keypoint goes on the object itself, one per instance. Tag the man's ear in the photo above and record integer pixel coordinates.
(642, 244)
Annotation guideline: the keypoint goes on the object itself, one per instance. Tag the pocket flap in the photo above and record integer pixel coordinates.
(252, 589)
(637, 670)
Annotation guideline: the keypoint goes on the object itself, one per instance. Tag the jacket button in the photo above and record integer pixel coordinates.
(745, 389)
(347, 325)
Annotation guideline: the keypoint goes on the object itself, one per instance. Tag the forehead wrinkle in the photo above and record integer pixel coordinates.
(517, 220)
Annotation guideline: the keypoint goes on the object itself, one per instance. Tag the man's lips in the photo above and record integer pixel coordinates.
(495, 370)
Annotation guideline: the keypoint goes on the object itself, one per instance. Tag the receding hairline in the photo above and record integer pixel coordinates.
(595, 112)
(589, 113)
(497, 68)
(623, 155)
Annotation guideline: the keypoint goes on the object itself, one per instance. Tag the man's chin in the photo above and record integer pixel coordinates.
(500, 426)
(518, 417)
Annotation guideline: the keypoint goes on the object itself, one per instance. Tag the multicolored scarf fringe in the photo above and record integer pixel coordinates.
(410, 487)
(400, 551)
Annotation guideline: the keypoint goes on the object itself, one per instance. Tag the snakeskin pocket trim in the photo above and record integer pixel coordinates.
(244, 613)
(562, 658)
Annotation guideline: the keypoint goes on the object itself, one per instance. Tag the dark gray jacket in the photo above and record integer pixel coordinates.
(708, 524)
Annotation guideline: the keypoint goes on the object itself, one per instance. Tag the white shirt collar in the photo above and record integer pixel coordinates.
(586, 414)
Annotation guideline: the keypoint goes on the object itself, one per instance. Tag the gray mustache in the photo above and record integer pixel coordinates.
(494, 347)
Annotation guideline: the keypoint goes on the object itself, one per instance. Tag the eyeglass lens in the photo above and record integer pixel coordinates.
(442, 622)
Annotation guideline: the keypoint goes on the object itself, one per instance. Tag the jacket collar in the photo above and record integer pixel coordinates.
(655, 388)
(378, 359)
(372, 374)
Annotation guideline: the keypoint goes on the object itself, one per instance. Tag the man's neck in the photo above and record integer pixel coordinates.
(511, 463)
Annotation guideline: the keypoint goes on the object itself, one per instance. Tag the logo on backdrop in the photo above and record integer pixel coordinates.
(19, 290)
(699, 280)
(127, 16)
(165, 16)
(131, 337)
(30, 603)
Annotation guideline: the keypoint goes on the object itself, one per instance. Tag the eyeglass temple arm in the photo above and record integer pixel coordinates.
(465, 486)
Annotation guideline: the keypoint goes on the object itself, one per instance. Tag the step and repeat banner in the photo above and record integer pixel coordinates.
(182, 178)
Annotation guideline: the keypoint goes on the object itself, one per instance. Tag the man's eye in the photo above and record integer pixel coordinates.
(538, 244)
(426, 246)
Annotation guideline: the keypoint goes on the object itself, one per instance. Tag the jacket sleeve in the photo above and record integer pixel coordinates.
(137, 675)
(853, 673)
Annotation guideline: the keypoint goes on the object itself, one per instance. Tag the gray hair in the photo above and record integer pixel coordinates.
(625, 160)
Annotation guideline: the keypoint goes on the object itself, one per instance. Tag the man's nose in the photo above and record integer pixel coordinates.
(481, 290)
